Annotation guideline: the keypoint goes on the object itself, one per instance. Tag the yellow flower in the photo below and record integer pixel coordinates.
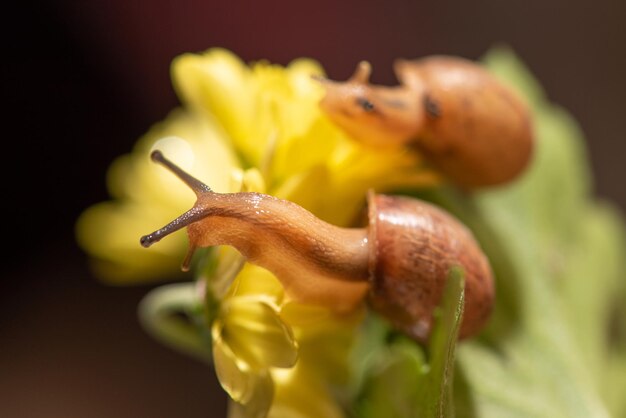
(250, 339)
(325, 339)
(263, 116)
(263, 123)
(272, 116)
(255, 351)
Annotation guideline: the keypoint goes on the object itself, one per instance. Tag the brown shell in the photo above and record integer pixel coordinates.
(478, 131)
(415, 245)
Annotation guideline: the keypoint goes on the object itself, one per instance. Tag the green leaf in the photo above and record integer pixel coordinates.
(392, 380)
(401, 380)
(437, 393)
(556, 255)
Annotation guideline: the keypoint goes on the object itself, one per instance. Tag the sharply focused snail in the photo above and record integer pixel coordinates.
(401, 260)
(472, 128)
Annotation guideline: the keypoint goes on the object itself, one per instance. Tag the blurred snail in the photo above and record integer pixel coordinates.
(468, 125)
(399, 261)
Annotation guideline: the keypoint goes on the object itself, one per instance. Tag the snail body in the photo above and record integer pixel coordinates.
(475, 130)
(399, 261)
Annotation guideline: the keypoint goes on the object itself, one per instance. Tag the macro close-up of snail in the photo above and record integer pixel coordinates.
(342, 210)
(402, 258)
(473, 129)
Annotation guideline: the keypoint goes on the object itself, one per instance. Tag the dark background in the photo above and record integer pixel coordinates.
(82, 80)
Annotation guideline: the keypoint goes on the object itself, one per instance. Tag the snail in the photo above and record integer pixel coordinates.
(399, 262)
(475, 130)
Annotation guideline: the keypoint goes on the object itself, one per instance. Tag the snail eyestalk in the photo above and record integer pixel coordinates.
(196, 185)
(182, 221)
(193, 215)
(362, 73)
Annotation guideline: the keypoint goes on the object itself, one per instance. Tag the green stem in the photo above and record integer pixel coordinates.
(160, 315)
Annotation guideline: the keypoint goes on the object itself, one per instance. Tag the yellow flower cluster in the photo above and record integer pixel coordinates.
(259, 125)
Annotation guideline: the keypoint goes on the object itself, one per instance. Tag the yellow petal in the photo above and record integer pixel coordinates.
(325, 339)
(286, 105)
(149, 196)
(300, 73)
(192, 142)
(317, 191)
(252, 181)
(254, 332)
(110, 233)
(306, 150)
(252, 390)
(256, 408)
(300, 394)
(299, 103)
(380, 170)
(309, 320)
(255, 280)
(220, 84)
(305, 188)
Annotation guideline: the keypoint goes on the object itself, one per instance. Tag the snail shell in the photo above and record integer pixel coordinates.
(477, 130)
(413, 246)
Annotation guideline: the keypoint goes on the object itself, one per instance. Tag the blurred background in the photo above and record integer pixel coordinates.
(82, 80)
